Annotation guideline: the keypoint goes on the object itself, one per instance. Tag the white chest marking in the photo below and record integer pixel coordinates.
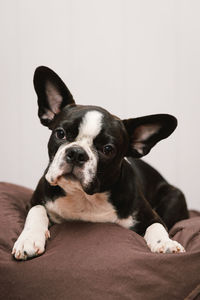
(77, 205)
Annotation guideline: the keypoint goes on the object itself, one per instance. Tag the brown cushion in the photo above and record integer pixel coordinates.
(95, 261)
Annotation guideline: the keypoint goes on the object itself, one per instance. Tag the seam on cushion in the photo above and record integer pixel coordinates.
(179, 227)
(174, 231)
(195, 236)
(184, 223)
(192, 236)
(194, 294)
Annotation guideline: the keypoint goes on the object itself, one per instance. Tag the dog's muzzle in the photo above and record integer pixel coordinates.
(68, 160)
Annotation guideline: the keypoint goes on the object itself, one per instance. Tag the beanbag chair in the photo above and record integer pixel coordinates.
(95, 261)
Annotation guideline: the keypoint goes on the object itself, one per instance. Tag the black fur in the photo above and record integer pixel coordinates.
(133, 185)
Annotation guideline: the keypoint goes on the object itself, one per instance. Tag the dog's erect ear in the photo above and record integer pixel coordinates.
(52, 94)
(145, 132)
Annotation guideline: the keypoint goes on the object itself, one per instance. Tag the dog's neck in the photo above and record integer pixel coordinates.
(73, 187)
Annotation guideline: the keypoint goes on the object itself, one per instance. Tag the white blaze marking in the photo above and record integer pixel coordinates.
(91, 126)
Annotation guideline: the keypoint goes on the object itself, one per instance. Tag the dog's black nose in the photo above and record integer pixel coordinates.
(76, 155)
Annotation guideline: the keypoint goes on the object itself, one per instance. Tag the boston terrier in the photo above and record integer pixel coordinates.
(95, 173)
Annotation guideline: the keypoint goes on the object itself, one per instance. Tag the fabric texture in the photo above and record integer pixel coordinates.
(95, 261)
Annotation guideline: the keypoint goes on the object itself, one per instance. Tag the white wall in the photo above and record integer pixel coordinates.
(132, 57)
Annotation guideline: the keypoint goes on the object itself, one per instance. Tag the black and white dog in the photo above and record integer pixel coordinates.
(95, 174)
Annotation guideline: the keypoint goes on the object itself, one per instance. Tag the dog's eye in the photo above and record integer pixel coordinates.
(60, 134)
(108, 150)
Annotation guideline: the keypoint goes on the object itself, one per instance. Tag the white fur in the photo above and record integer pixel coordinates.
(158, 240)
(79, 207)
(90, 126)
(31, 241)
(56, 168)
(128, 222)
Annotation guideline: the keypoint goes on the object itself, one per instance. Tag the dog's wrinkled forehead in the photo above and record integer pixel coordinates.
(84, 121)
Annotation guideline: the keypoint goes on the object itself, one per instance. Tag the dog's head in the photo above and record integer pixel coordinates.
(88, 144)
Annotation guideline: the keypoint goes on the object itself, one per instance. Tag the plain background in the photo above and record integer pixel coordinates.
(132, 57)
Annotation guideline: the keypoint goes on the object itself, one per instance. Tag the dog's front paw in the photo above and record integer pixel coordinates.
(158, 240)
(29, 244)
(166, 246)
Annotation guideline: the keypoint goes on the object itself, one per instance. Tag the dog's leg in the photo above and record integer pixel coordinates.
(31, 241)
(158, 240)
(171, 207)
(170, 204)
(152, 227)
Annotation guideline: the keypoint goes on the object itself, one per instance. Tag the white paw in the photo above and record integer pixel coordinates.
(29, 244)
(166, 246)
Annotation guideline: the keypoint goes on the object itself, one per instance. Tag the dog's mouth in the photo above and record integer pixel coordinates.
(68, 177)
(54, 179)
(72, 178)
(67, 174)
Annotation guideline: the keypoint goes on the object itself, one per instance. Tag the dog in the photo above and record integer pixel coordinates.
(95, 172)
